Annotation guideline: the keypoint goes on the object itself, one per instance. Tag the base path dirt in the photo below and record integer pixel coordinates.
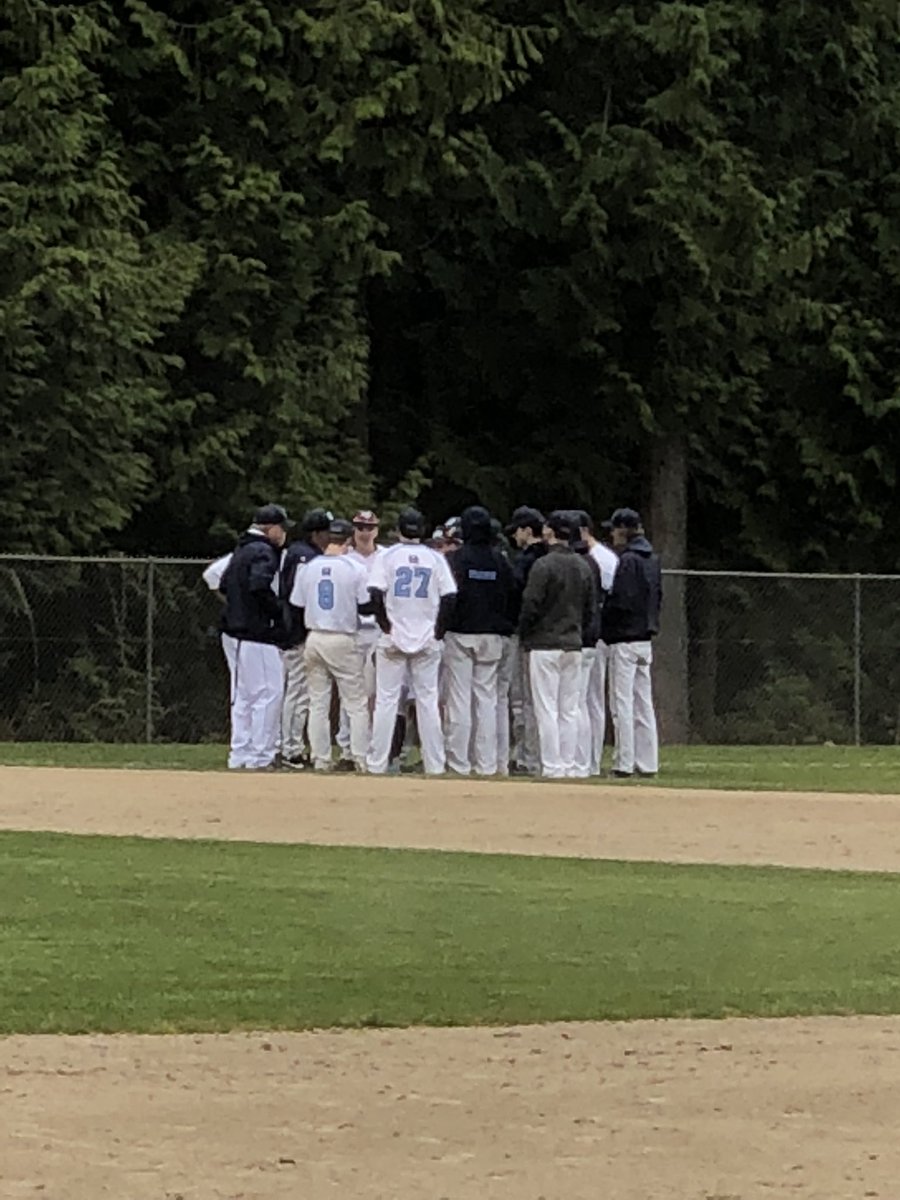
(646, 1111)
(579, 820)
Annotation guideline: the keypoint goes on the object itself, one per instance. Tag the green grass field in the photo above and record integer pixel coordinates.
(779, 768)
(111, 934)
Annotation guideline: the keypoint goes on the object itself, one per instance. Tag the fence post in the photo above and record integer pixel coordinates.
(148, 662)
(857, 658)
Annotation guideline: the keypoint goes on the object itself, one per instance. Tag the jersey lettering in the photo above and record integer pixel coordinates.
(326, 595)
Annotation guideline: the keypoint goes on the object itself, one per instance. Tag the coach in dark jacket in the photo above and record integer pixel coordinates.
(630, 622)
(253, 628)
(631, 611)
(558, 608)
(477, 625)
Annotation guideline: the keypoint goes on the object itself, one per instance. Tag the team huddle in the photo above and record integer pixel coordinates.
(493, 662)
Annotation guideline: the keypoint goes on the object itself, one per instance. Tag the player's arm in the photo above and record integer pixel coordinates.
(260, 577)
(379, 611)
(533, 598)
(365, 605)
(446, 582)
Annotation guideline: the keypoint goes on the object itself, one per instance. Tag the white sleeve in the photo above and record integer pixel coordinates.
(608, 572)
(212, 576)
(362, 586)
(298, 592)
(378, 577)
(446, 582)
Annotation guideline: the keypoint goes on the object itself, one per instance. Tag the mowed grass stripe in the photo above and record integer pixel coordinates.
(123, 934)
(872, 769)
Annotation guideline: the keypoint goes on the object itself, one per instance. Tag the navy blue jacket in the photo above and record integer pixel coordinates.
(485, 591)
(295, 555)
(525, 560)
(253, 612)
(631, 611)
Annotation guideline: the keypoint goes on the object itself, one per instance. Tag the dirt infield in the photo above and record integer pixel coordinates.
(579, 820)
(642, 1111)
(645, 1111)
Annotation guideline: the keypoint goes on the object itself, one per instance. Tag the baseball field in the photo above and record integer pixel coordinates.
(250, 986)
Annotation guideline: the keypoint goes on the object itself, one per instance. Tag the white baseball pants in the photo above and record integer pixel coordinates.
(524, 722)
(335, 656)
(584, 747)
(471, 666)
(257, 688)
(366, 640)
(508, 664)
(555, 689)
(597, 706)
(295, 711)
(631, 703)
(391, 667)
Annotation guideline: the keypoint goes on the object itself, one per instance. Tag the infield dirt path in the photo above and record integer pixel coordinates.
(670, 1110)
(579, 820)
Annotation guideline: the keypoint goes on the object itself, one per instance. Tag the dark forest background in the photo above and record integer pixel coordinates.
(510, 250)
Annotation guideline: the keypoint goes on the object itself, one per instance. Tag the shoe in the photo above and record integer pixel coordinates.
(517, 769)
(622, 774)
(298, 763)
(345, 765)
(646, 774)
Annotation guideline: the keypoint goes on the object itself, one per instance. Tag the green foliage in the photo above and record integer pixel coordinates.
(330, 253)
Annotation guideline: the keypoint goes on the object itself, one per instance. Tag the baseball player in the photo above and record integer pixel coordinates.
(473, 646)
(591, 636)
(314, 538)
(412, 589)
(526, 528)
(364, 551)
(253, 628)
(630, 622)
(607, 560)
(331, 592)
(558, 605)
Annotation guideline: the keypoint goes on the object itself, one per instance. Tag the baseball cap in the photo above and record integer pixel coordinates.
(453, 528)
(341, 529)
(625, 518)
(411, 523)
(317, 520)
(563, 524)
(526, 518)
(272, 514)
(365, 516)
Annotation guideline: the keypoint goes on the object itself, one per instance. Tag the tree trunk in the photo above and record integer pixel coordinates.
(667, 529)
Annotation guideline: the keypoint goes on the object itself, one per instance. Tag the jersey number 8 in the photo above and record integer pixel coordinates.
(326, 595)
(404, 581)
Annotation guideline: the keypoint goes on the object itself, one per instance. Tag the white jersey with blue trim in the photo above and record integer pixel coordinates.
(413, 578)
(329, 589)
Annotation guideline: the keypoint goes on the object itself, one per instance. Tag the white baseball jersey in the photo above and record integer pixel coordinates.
(212, 576)
(413, 579)
(607, 560)
(367, 562)
(328, 589)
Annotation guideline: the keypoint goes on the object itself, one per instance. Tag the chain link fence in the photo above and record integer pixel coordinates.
(125, 650)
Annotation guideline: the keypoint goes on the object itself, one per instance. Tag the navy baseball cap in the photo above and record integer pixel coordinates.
(564, 525)
(272, 514)
(340, 529)
(317, 520)
(526, 518)
(411, 523)
(625, 518)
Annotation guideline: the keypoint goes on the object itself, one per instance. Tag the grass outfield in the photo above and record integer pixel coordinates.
(874, 769)
(116, 934)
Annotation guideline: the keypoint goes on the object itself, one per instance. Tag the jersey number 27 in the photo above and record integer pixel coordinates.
(406, 576)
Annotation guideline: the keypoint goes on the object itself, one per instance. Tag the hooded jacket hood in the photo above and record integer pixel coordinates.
(476, 526)
(639, 545)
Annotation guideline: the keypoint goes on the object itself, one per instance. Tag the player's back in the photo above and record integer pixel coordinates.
(329, 589)
(413, 579)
